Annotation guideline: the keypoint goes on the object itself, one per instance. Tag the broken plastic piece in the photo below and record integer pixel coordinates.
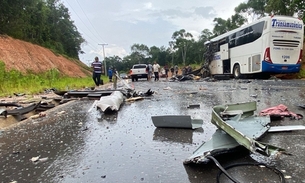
(176, 121)
(193, 106)
(111, 103)
(240, 127)
(286, 128)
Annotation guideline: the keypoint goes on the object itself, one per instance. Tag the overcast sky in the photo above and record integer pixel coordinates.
(121, 23)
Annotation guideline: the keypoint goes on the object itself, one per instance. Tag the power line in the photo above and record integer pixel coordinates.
(81, 21)
(89, 20)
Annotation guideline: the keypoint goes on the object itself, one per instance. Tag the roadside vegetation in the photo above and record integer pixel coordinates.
(14, 82)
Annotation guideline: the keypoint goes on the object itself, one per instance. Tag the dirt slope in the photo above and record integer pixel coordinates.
(24, 56)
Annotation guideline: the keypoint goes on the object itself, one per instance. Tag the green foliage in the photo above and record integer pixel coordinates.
(301, 74)
(15, 82)
(43, 22)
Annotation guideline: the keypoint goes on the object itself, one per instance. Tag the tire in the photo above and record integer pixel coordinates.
(132, 78)
(236, 72)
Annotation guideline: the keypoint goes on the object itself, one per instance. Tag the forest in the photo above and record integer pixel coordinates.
(48, 23)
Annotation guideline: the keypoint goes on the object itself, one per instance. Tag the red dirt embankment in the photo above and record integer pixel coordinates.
(24, 56)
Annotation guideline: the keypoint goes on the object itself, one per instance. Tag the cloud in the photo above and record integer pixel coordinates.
(120, 24)
(205, 12)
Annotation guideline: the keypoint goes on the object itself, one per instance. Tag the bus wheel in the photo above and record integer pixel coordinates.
(236, 71)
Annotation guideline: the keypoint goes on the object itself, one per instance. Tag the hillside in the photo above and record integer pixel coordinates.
(24, 56)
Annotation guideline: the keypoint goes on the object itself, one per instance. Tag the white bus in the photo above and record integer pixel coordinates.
(270, 45)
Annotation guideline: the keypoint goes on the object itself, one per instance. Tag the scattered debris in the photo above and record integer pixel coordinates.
(18, 113)
(286, 128)
(279, 112)
(44, 106)
(110, 103)
(167, 88)
(237, 126)
(10, 104)
(149, 92)
(19, 94)
(36, 116)
(61, 112)
(3, 112)
(132, 99)
(192, 106)
(176, 121)
(35, 159)
(254, 96)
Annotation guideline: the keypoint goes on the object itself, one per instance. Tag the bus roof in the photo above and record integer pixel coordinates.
(245, 26)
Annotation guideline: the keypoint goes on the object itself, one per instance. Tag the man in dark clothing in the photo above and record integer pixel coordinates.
(110, 73)
(97, 67)
(172, 71)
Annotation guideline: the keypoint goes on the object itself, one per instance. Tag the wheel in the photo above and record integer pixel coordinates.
(236, 72)
(132, 78)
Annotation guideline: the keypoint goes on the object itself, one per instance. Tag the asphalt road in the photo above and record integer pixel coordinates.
(83, 145)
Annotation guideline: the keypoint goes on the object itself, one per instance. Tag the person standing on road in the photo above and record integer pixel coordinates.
(110, 73)
(156, 68)
(97, 67)
(166, 70)
(172, 71)
(149, 71)
(176, 69)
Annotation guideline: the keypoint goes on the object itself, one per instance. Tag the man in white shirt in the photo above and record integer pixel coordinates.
(156, 68)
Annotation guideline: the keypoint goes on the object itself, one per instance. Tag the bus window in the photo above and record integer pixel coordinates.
(239, 38)
(232, 40)
(258, 30)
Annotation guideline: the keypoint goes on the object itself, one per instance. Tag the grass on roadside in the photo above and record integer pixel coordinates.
(15, 82)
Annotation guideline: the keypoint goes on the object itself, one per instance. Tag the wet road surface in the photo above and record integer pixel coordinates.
(82, 145)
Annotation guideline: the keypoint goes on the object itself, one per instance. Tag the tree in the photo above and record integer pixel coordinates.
(205, 36)
(220, 26)
(172, 51)
(286, 7)
(43, 22)
(140, 52)
(253, 9)
(182, 39)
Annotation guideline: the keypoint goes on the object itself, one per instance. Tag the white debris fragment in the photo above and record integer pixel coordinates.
(41, 160)
(61, 112)
(34, 159)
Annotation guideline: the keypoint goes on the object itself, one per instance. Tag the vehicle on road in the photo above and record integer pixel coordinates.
(123, 76)
(138, 71)
(271, 45)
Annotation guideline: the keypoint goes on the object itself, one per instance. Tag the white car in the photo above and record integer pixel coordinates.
(138, 71)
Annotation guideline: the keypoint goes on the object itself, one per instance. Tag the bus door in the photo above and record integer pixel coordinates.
(225, 57)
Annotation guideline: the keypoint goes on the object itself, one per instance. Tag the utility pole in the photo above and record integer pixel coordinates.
(88, 61)
(103, 45)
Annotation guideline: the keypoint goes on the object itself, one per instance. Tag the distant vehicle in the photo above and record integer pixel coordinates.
(272, 44)
(138, 71)
(123, 76)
